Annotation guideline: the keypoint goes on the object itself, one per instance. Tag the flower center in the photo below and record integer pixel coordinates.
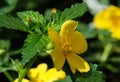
(66, 48)
(116, 21)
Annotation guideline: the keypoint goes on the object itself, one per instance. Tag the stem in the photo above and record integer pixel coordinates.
(15, 52)
(25, 70)
(106, 53)
(8, 76)
(111, 68)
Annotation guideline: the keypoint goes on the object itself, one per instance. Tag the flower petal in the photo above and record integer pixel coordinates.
(77, 62)
(33, 73)
(102, 20)
(37, 73)
(71, 63)
(58, 58)
(116, 34)
(53, 75)
(42, 68)
(23, 80)
(68, 28)
(55, 38)
(78, 43)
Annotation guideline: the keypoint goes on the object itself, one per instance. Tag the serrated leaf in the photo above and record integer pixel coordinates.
(76, 10)
(93, 76)
(11, 5)
(34, 16)
(12, 23)
(33, 44)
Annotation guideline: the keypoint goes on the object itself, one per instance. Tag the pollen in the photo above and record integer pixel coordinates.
(66, 48)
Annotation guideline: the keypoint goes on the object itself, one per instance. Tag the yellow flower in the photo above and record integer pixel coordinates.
(41, 74)
(109, 18)
(66, 45)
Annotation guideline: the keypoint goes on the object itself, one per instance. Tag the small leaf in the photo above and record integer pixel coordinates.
(33, 44)
(4, 44)
(34, 16)
(12, 23)
(93, 76)
(76, 10)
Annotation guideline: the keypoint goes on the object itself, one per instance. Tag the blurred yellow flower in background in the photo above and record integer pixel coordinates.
(66, 45)
(109, 19)
(41, 74)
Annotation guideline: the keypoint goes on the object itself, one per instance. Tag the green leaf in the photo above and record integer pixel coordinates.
(34, 16)
(93, 76)
(33, 44)
(76, 10)
(87, 31)
(5, 63)
(11, 4)
(12, 23)
(4, 44)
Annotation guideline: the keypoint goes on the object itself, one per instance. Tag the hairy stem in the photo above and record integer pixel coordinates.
(26, 69)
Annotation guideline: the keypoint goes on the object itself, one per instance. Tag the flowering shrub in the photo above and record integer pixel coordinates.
(39, 43)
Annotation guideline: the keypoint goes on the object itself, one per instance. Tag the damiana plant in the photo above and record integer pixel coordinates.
(51, 39)
(66, 45)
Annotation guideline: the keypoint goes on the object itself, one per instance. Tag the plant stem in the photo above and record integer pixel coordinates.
(25, 70)
(8, 76)
(15, 52)
(106, 53)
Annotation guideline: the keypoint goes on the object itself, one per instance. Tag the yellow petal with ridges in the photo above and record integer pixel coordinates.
(54, 37)
(42, 68)
(53, 75)
(77, 62)
(58, 58)
(68, 28)
(78, 43)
